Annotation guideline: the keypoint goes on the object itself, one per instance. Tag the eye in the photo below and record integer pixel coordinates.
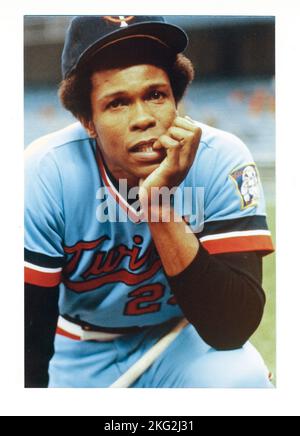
(156, 95)
(117, 103)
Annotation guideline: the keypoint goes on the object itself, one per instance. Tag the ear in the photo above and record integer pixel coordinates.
(89, 127)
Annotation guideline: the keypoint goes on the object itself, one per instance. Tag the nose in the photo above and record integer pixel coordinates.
(141, 117)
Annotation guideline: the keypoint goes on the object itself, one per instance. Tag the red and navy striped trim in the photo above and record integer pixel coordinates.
(42, 270)
(253, 222)
(234, 242)
(135, 216)
(237, 235)
(43, 260)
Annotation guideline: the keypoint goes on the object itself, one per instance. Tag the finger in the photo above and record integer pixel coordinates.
(190, 119)
(179, 134)
(157, 145)
(185, 123)
(189, 125)
(168, 142)
(173, 149)
(192, 135)
(173, 157)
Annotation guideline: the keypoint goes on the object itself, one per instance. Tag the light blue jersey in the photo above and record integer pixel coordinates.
(109, 273)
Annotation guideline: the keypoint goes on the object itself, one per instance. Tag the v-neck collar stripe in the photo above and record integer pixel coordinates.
(113, 191)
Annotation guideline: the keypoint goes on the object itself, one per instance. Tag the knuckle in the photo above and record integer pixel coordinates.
(172, 130)
(176, 146)
(164, 138)
(169, 141)
(198, 131)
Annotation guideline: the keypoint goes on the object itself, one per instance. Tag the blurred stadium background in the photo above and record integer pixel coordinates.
(234, 90)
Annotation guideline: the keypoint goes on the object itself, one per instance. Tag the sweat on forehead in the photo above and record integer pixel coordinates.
(131, 52)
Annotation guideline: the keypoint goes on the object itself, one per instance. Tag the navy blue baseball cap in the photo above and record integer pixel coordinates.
(86, 35)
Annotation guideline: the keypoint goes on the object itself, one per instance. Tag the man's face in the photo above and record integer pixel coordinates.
(131, 108)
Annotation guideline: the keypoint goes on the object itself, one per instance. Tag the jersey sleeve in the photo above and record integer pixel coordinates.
(234, 205)
(44, 221)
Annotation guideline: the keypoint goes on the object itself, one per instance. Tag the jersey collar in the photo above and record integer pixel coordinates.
(136, 217)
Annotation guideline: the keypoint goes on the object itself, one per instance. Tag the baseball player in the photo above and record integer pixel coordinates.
(109, 274)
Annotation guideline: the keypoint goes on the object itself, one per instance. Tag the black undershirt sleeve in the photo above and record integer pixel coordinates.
(222, 296)
(41, 314)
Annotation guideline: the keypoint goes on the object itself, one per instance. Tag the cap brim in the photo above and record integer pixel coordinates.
(170, 35)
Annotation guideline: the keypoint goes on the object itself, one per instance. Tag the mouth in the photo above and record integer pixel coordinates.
(143, 151)
(143, 146)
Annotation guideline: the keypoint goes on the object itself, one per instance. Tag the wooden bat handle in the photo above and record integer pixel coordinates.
(133, 373)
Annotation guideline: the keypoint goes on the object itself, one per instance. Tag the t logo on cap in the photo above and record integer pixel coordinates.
(121, 20)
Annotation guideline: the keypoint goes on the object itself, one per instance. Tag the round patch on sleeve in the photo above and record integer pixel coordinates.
(246, 180)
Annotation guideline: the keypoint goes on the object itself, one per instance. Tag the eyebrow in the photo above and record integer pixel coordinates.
(121, 92)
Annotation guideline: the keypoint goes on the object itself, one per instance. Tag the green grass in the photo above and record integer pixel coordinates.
(265, 337)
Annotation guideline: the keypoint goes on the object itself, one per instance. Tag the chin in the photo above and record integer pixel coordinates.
(145, 172)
